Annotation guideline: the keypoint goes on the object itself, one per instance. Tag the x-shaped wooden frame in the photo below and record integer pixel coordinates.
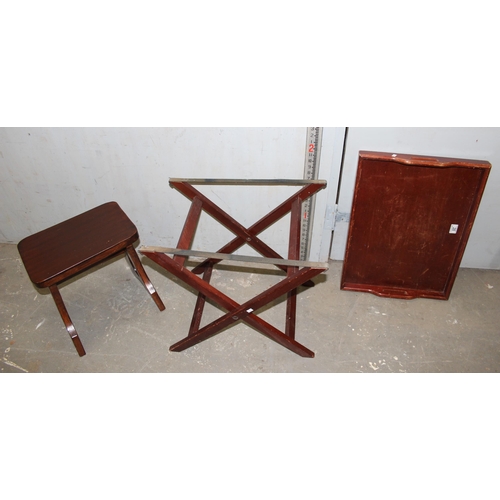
(298, 272)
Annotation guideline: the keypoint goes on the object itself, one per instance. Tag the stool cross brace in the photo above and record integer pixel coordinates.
(297, 272)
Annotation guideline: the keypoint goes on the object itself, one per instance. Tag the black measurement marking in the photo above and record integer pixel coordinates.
(311, 166)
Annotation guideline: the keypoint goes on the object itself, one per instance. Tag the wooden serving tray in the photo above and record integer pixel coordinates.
(410, 222)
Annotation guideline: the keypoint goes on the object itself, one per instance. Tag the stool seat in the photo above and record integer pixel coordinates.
(70, 247)
(76, 244)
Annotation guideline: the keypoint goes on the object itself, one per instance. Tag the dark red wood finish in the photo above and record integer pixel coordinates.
(399, 243)
(246, 236)
(295, 276)
(236, 311)
(62, 251)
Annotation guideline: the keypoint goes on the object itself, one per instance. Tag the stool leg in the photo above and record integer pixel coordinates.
(139, 270)
(67, 320)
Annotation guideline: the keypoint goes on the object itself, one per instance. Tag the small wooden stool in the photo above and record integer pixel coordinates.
(66, 249)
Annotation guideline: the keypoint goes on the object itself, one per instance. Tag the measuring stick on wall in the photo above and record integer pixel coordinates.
(311, 167)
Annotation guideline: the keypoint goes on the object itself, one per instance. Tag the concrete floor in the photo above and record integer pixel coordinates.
(123, 331)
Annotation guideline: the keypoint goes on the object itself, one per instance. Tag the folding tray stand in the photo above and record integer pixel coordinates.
(297, 272)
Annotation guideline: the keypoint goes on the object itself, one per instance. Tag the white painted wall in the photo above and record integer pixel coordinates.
(50, 174)
(483, 249)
